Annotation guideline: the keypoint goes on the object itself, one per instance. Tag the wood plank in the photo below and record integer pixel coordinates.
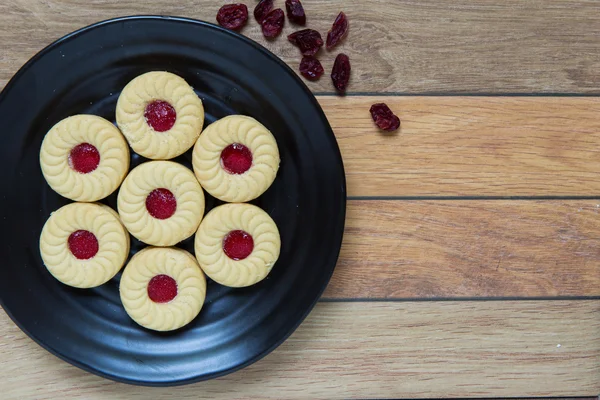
(463, 248)
(471, 146)
(371, 350)
(395, 46)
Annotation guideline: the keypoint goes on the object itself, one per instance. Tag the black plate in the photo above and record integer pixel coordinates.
(84, 73)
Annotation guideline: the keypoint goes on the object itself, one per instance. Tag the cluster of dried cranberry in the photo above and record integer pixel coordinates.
(309, 41)
(271, 21)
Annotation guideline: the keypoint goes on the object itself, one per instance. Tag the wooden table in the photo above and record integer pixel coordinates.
(471, 261)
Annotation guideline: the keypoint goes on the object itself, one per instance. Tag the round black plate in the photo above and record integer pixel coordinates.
(84, 73)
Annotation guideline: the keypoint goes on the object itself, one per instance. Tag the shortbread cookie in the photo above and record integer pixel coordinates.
(84, 158)
(161, 203)
(237, 244)
(84, 244)
(236, 159)
(162, 288)
(160, 115)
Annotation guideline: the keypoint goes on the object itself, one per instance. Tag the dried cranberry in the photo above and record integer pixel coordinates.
(384, 118)
(311, 68)
(308, 41)
(272, 25)
(338, 31)
(295, 12)
(262, 9)
(233, 16)
(340, 75)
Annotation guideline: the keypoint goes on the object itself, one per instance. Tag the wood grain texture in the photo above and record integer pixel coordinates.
(445, 249)
(371, 350)
(395, 46)
(470, 146)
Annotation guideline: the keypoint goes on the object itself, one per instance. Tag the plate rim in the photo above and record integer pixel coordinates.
(342, 212)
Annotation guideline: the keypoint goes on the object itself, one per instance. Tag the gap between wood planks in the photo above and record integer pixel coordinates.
(453, 94)
(458, 198)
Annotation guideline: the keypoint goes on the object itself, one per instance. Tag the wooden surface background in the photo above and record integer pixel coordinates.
(471, 261)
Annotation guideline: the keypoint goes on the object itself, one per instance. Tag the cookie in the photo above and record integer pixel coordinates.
(84, 158)
(84, 244)
(161, 203)
(160, 115)
(237, 244)
(162, 288)
(236, 159)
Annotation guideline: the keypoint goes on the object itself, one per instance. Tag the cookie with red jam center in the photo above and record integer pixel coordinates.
(161, 203)
(84, 158)
(162, 288)
(160, 115)
(84, 244)
(236, 159)
(237, 245)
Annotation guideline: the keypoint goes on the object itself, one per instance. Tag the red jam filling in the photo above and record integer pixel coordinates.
(236, 158)
(161, 203)
(84, 158)
(160, 115)
(162, 289)
(83, 244)
(238, 245)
